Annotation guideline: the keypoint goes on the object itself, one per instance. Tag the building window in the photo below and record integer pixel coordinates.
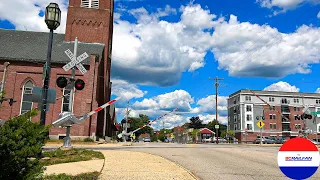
(248, 108)
(271, 99)
(66, 99)
(272, 116)
(90, 4)
(248, 98)
(296, 100)
(249, 127)
(318, 101)
(298, 109)
(235, 127)
(235, 118)
(249, 117)
(297, 126)
(273, 126)
(284, 101)
(26, 100)
(272, 108)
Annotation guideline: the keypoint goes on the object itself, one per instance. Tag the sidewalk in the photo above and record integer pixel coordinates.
(125, 165)
(75, 168)
(128, 165)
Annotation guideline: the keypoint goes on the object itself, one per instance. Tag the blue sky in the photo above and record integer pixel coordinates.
(164, 51)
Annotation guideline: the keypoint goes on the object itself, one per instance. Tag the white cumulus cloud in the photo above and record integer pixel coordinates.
(177, 99)
(126, 90)
(24, 15)
(284, 5)
(253, 50)
(282, 86)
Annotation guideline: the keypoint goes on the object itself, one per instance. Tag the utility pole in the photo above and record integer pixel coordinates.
(217, 85)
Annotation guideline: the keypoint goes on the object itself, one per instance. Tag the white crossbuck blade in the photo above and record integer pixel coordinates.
(75, 61)
(67, 118)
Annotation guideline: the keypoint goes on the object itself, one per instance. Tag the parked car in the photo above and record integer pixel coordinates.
(207, 140)
(146, 139)
(265, 140)
(222, 140)
(280, 140)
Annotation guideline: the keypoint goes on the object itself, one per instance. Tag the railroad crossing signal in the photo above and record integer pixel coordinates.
(79, 84)
(75, 61)
(62, 82)
(260, 124)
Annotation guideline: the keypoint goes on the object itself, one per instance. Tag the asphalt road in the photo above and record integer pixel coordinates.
(216, 162)
(221, 162)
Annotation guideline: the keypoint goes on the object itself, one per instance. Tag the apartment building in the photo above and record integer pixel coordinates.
(245, 109)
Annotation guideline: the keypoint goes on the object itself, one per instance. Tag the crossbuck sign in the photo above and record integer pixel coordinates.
(75, 61)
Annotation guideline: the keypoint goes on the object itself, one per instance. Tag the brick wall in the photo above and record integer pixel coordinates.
(18, 73)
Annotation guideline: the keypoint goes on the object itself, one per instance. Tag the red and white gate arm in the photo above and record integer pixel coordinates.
(85, 116)
(153, 120)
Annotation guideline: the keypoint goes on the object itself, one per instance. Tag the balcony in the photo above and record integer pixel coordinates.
(286, 129)
(285, 109)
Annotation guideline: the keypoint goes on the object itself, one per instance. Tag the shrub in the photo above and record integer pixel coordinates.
(21, 143)
(87, 139)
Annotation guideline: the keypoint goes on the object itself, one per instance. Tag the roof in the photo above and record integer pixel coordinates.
(259, 92)
(145, 135)
(32, 47)
(206, 131)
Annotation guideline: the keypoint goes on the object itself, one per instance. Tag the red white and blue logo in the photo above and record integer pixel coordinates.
(298, 158)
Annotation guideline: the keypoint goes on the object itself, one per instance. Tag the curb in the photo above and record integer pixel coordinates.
(104, 162)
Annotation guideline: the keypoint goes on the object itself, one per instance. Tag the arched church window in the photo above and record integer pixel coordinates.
(26, 100)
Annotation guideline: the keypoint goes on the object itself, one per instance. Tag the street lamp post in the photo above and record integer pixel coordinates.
(52, 19)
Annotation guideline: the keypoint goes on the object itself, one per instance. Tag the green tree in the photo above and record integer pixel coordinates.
(211, 126)
(139, 122)
(196, 123)
(21, 142)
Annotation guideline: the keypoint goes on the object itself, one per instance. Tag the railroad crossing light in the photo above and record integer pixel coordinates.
(62, 82)
(11, 101)
(79, 84)
(307, 116)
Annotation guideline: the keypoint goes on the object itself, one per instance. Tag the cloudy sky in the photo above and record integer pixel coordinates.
(164, 51)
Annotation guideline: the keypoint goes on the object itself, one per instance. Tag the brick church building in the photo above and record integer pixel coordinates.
(92, 23)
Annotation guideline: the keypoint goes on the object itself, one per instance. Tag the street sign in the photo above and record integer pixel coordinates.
(216, 126)
(315, 113)
(37, 95)
(75, 61)
(260, 124)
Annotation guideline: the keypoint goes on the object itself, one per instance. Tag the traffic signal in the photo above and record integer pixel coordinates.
(11, 101)
(79, 84)
(307, 116)
(62, 82)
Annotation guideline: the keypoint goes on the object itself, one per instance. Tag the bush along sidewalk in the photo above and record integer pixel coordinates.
(72, 155)
(21, 143)
(84, 176)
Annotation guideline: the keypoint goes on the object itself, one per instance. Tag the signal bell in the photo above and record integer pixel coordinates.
(79, 84)
(62, 82)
